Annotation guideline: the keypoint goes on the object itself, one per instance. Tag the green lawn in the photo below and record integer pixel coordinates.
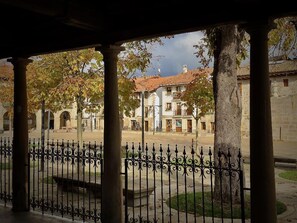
(48, 180)
(289, 175)
(8, 165)
(5, 166)
(186, 203)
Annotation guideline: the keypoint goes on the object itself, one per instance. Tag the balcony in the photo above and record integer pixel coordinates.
(182, 112)
(177, 112)
(176, 95)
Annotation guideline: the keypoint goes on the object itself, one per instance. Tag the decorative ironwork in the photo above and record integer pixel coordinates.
(179, 173)
(160, 183)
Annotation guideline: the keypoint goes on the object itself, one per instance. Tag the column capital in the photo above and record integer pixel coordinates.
(259, 25)
(111, 49)
(19, 61)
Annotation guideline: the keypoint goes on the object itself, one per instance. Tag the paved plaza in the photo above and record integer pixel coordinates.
(182, 140)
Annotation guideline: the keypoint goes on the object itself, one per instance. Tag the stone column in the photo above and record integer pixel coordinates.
(20, 136)
(263, 199)
(38, 120)
(57, 121)
(112, 201)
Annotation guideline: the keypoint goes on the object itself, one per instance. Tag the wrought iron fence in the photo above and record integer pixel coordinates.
(182, 186)
(66, 179)
(159, 184)
(5, 171)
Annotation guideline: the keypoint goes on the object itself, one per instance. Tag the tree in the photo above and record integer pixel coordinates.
(224, 46)
(227, 46)
(67, 78)
(198, 98)
(6, 92)
(228, 108)
(77, 76)
(283, 39)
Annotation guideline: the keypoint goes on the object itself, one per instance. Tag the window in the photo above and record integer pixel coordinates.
(168, 89)
(146, 94)
(178, 88)
(168, 106)
(286, 82)
(212, 126)
(146, 112)
(178, 123)
(240, 88)
(178, 109)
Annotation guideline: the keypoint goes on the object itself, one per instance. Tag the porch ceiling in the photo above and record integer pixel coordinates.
(35, 27)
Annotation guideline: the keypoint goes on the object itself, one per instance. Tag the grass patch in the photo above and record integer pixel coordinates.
(289, 175)
(98, 174)
(5, 166)
(8, 166)
(48, 180)
(186, 203)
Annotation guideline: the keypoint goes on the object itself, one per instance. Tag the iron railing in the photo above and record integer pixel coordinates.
(159, 184)
(5, 171)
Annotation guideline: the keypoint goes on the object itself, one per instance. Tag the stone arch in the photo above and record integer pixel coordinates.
(32, 121)
(65, 120)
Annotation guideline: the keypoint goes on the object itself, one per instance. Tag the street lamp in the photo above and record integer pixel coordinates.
(142, 120)
(154, 117)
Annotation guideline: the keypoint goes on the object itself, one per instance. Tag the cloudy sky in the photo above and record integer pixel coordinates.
(175, 53)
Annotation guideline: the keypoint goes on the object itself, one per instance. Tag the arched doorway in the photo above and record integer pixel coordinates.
(32, 121)
(65, 120)
(51, 122)
(6, 121)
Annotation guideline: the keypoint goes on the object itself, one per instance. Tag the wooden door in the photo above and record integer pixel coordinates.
(168, 125)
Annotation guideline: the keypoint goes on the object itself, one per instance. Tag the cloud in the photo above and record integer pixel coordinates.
(175, 53)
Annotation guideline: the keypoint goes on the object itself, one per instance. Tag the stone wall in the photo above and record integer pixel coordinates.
(283, 108)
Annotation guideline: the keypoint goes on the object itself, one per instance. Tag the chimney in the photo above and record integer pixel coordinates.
(185, 68)
(159, 72)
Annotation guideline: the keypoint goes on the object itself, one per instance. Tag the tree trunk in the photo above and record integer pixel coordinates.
(121, 116)
(42, 133)
(79, 128)
(196, 145)
(79, 135)
(227, 113)
(10, 126)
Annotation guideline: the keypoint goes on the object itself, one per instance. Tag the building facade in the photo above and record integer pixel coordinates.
(163, 110)
(283, 95)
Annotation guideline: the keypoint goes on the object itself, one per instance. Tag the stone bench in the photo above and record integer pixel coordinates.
(136, 197)
(280, 161)
(285, 162)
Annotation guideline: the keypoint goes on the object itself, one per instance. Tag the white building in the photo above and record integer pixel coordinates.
(163, 109)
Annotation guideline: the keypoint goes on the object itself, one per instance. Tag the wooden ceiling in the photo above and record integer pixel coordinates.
(32, 27)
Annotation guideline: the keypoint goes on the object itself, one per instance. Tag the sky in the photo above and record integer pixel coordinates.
(175, 53)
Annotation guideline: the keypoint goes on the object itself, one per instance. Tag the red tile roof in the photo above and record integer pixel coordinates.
(185, 78)
(276, 68)
(151, 83)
